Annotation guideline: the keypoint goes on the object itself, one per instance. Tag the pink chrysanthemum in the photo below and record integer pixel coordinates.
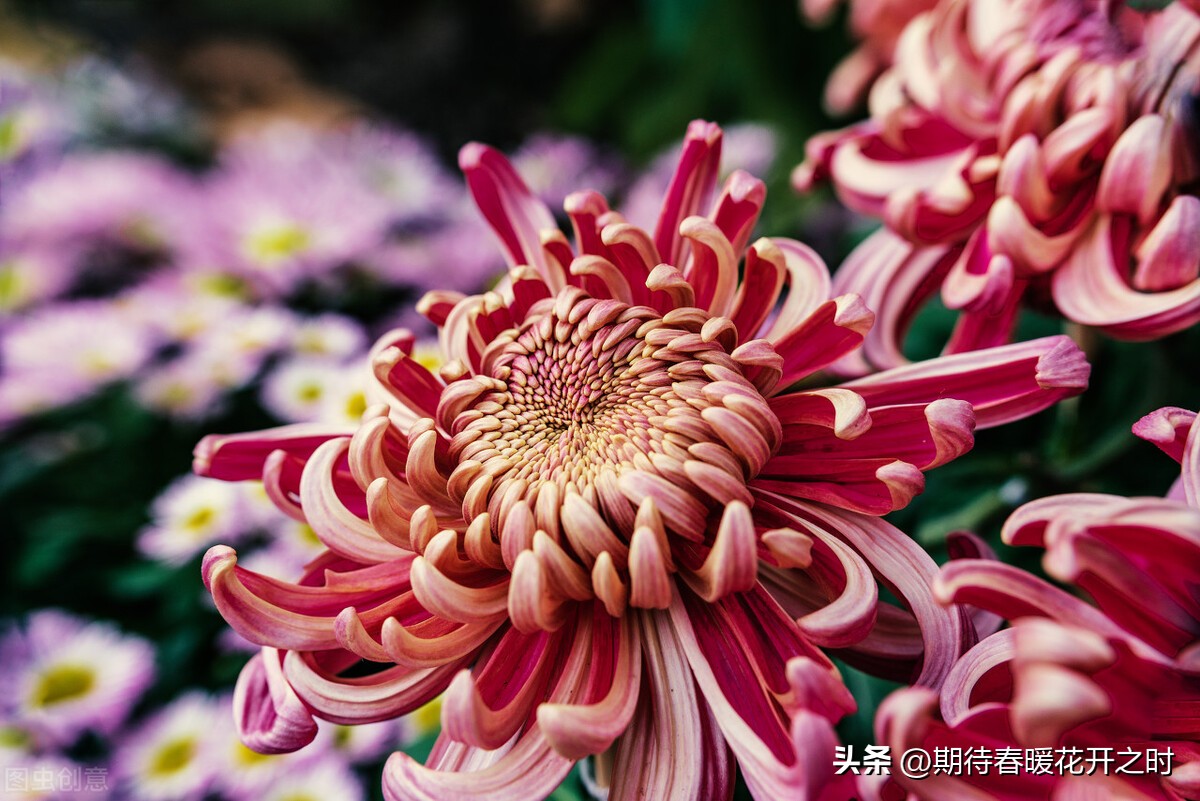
(1121, 676)
(613, 521)
(1021, 149)
(877, 25)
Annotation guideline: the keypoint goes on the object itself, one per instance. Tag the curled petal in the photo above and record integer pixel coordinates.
(1169, 257)
(1092, 288)
(736, 210)
(340, 529)
(1167, 428)
(732, 564)
(833, 329)
(254, 616)
(385, 695)
(577, 730)
(409, 647)
(270, 718)
(451, 600)
(713, 270)
(808, 283)
(690, 187)
(487, 705)
(525, 767)
(758, 291)
(532, 605)
(1137, 171)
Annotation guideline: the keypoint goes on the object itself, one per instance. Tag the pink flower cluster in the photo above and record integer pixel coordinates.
(1121, 672)
(1027, 151)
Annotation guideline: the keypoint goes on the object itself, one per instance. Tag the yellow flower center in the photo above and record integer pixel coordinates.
(173, 756)
(246, 757)
(356, 404)
(63, 683)
(200, 518)
(279, 242)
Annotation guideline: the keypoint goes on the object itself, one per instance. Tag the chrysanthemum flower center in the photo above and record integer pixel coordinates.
(589, 392)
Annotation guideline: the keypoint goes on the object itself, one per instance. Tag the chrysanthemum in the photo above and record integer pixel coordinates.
(1120, 675)
(365, 743)
(32, 275)
(1028, 149)
(328, 336)
(876, 25)
(613, 521)
(126, 199)
(64, 675)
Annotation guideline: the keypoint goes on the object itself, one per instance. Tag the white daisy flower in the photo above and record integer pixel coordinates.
(64, 675)
(329, 336)
(190, 515)
(296, 391)
(171, 757)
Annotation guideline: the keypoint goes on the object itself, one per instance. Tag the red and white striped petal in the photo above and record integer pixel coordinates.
(672, 749)
(1003, 384)
(516, 217)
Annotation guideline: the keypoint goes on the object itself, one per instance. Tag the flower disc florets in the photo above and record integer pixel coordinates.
(593, 397)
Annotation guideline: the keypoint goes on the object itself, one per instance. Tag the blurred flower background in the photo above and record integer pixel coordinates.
(210, 210)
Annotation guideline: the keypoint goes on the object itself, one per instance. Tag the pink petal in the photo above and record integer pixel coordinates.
(1091, 288)
(1169, 256)
(1168, 429)
(486, 706)
(590, 723)
(340, 529)
(833, 329)
(672, 748)
(270, 718)
(385, 695)
(516, 217)
(1003, 384)
(690, 188)
(238, 457)
(737, 209)
(1137, 171)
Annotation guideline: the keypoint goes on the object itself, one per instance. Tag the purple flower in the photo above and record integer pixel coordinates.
(172, 756)
(87, 200)
(190, 515)
(64, 675)
(277, 217)
(63, 352)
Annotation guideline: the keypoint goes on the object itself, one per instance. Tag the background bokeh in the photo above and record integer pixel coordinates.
(141, 307)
